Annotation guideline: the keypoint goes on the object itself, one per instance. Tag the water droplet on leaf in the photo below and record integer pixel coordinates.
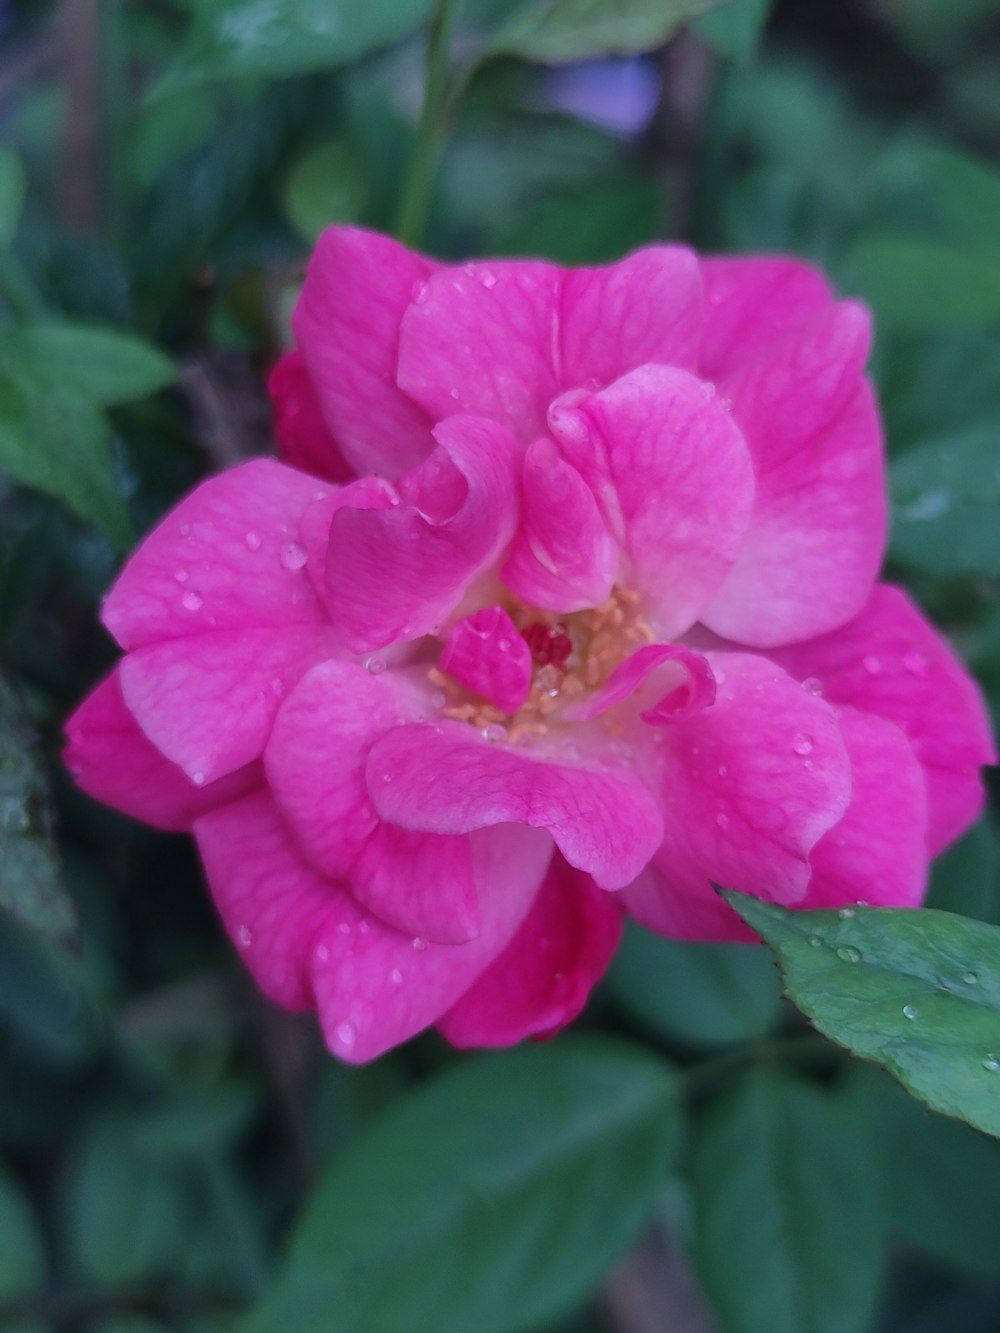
(909, 1012)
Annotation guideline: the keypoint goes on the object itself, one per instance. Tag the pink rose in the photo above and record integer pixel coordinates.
(594, 625)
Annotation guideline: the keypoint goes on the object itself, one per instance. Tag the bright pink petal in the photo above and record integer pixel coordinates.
(673, 683)
(877, 854)
(304, 441)
(347, 325)
(646, 308)
(563, 557)
(752, 302)
(543, 978)
(675, 480)
(750, 786)
(486, 654)
(479, 339)
(307, 941)
(819, 519)
(208, 702)
(229, 556)
(111, 760)
(315, 763)
(444, 779)
(891, 662)
(666, 909)
(397, 573)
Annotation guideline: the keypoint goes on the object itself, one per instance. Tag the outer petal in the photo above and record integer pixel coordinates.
(817, 534)
(228, 557)
(750, 786)
(307, 942)
(543, 978)
(877, 854)
(417, 882)
(208, 702)
(646, 308)
(674, 478)
(347, 324)
(304, 441)
(563, 557)
(397, 573)
(480, 339)
(445, 780)
(111, 759)
(752, 302)
(891, 662)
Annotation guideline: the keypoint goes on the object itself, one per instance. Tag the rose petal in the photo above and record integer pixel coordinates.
(486, 654)
(674, 694)
(543, 978)
(445, 780)
(304, 441)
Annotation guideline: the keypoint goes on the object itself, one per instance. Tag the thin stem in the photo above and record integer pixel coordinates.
(430, 130)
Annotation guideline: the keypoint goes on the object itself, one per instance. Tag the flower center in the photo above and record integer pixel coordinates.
(571, 656)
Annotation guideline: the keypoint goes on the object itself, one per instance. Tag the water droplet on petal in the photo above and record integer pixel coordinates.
(192, 602)
(420, 293)
(915, 664)
(185, 529)
(803, 744)
(848, 954)
(344, 928)
(812, 685)
(722, 819)
(198, 779)
(396, 977)
(909, 1012)
(293, 556)
(487, 278)
(419, 944)
(323, 953)
(244, 937)
(346, 1034)
(454, 393)
(252, 540)
(723, 770)
(872, 665)
(364, 928)
(376, 665)
(181, 575)
(495, 732)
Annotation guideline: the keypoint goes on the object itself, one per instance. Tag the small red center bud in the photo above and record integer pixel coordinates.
(550, 645)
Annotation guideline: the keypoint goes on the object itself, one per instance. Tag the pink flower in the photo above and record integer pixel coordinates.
(594, 625)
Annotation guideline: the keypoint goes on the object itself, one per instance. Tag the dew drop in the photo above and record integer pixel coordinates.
(815, 941)
(872, 664)
(396, 977)
(181, 575)
(344, 928)
(198, 779)
(915, 664)
(185, 529)
(323, 953)
(376, 665)
(346, 1034)
(803, 744)
(991, 1063)
(244, 937)
(252, 540)
(722, 819)
(293, 556)
(970, 978)
(364, 928)
(191, 601)
(419, 943)
(812, 685)
(454, 393)
(420, 293)
(848, 954)
(487, 278)
(495, 732)
(909, 1012)
(846, 913)
(723, 770)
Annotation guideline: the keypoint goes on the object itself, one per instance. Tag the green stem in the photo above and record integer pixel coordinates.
(430, 130)
(17, 291)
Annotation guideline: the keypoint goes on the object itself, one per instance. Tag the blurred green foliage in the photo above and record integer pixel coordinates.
(176, 1154)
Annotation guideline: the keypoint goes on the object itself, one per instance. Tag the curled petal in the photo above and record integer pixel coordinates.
(682, 685)
(445, 780)
(542, 979)
(487, 654)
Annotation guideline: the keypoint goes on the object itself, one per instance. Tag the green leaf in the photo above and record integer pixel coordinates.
(700, 994)
(237, 38)
(12, 189)
(194, 1121)
(942, 1177)
(126, 1216)
(787, 1218)
(31, 886)
(562, 31)
(953, 196)
(938, 383)
(923, 284)
(918, 991)
(595, 227)
(22, 1257)
(326, 186)
(52, 437)
(735, 29)
(108, 366)
(946, 496)
(492, 1198)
